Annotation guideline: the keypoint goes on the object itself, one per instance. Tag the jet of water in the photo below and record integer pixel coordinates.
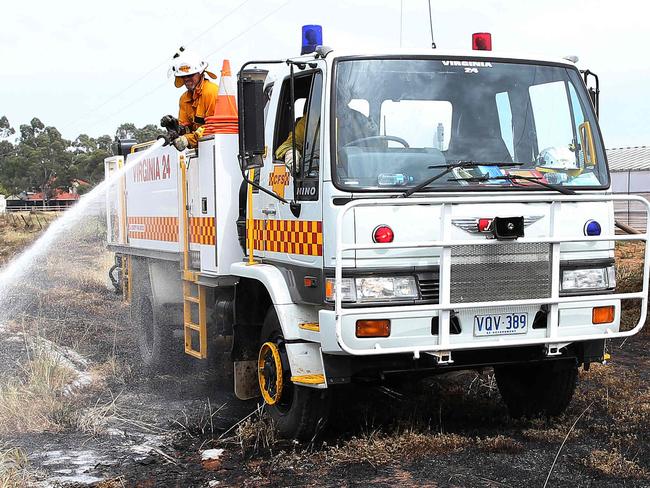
(22, 264)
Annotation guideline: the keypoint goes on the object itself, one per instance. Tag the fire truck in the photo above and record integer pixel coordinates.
(440, 211)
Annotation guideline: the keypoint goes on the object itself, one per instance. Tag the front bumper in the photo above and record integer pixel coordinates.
(411, 330)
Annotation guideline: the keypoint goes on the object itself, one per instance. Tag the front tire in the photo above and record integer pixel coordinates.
(538, 389)
(298, 412)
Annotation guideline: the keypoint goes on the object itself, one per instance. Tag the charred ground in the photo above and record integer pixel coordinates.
(75, 409)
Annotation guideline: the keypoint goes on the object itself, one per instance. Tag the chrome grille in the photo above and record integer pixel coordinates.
(506, 271)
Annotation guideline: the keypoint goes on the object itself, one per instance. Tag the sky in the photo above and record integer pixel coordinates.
(86, 67)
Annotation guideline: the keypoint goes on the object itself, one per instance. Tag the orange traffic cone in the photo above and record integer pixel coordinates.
(224, 120)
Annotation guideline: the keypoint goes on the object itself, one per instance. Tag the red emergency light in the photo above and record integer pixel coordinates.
(383, 234)
(482, 41)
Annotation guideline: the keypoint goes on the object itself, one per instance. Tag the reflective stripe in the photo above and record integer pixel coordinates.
(309, 379)
(202, 230)
(153, 228)
(313, 326)
(289, 236)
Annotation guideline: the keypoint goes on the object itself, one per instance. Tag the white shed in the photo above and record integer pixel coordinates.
(3, 204)
(630, 170)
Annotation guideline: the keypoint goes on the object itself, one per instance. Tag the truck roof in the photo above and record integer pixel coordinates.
(337, 53)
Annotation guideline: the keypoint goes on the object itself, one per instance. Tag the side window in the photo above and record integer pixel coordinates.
(283, 140)
(505, 121)
(422, 123)
(311, 152)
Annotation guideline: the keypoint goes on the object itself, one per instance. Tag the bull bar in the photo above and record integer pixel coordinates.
(445, 306)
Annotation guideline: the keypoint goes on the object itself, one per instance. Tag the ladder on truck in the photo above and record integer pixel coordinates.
(194, 294)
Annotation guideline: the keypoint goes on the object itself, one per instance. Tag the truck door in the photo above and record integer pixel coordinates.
(293, 236)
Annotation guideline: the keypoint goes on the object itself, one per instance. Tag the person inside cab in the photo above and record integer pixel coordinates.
(351, 125)
(195, 104)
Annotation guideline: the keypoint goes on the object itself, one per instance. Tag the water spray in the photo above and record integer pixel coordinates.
(18, 267)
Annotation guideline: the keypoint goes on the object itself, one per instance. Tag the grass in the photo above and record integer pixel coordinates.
(34, 401)
(613, 463)
(13, 468)
(15, 235)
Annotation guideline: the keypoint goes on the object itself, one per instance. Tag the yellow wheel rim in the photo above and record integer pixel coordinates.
(269, 373)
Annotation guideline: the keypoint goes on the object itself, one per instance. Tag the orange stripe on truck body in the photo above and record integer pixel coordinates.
(153, 228)
(203, 231)
(289, 236)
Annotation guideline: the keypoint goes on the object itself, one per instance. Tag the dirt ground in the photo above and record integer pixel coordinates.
(76, 410)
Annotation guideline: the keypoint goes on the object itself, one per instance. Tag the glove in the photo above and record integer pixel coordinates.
(288, 158)
(180, 143)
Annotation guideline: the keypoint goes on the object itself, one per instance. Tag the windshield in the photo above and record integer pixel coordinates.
(398, 122)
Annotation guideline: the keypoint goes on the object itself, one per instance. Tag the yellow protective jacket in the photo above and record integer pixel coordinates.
(194, 107)
(300, 140)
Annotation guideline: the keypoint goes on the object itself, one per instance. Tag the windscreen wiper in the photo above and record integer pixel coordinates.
(512, 178)
(448, 168)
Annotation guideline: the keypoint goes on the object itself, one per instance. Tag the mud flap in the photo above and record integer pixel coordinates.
(306, 363)
(246, 383)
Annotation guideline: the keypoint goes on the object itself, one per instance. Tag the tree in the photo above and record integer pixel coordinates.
(42, 159)
(88, 157)
(5, 128)
(128, 130)
(7, 150)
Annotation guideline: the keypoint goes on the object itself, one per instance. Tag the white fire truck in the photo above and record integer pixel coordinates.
(443, 211)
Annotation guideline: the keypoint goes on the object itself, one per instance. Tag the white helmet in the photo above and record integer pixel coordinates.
(561, 158)
(186, 63)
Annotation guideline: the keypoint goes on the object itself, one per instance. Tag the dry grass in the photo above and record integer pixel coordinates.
(13, 468)
(256, 434)
(15, 235)
(379, 448)
(612, 463)
(35, 401)
(551, 433)
(629, 278)
(625, 398)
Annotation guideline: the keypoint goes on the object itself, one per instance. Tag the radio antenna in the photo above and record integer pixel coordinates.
(433, 43)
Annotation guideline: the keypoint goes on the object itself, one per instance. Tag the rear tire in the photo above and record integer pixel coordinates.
(159, 350)
(539, 389)
(301, 412)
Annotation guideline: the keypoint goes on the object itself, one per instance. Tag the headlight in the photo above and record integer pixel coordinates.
(374, 289)
(588, 279)
(381, 289)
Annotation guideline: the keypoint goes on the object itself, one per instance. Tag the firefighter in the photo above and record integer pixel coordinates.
(195, 104)
(353, 126)
(284, 151)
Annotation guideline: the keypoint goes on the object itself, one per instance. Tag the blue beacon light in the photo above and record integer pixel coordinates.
(312, 36)
(592, 228)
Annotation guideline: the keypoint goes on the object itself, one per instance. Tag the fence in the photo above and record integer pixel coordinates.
(27, 220)
(39, 208)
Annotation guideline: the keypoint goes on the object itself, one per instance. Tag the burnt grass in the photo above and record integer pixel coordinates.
(450, 430)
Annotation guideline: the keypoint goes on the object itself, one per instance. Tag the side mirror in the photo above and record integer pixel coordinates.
(250, 93)
(593, 88)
